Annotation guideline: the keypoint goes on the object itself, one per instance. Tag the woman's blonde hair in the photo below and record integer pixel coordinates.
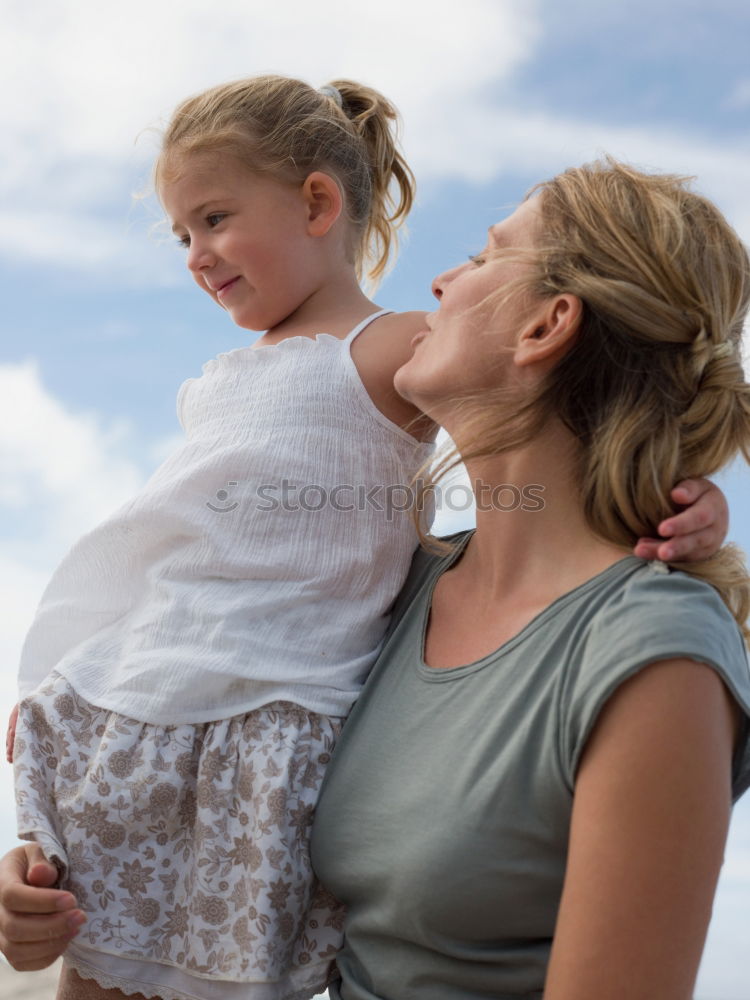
(284, 127)
(653, 388)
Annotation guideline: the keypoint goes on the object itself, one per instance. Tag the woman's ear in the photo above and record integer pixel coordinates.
(551, 330)
(324, 202)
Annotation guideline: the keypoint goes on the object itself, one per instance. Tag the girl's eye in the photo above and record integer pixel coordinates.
(211, 220)
(476, 258)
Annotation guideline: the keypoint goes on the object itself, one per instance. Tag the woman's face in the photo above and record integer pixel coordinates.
(469, 340)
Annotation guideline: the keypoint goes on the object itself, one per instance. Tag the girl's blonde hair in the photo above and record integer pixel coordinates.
(283, 127)
(653, 389)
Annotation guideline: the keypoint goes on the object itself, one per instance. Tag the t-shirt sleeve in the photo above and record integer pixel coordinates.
(656, 616)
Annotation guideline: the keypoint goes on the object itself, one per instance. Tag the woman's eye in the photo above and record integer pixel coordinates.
(183, 241)
(476, 258)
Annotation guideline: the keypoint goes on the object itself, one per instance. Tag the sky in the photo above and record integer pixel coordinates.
(101, 322)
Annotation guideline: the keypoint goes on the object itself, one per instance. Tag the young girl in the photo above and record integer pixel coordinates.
(193, 658)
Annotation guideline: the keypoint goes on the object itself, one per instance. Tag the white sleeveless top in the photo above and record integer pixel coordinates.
(258, 563)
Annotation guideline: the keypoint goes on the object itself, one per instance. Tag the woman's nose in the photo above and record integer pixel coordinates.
(437, 286)
(439, 283)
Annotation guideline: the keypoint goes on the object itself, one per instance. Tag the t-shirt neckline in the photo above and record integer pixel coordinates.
(438, 674)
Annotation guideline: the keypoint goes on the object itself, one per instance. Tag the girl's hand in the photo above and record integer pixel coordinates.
(10, 736)
(696, 532)
(36, 922)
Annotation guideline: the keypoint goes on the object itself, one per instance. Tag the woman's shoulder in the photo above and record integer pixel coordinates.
(655, 612)
(426, 564)
(654, 615)
(668, 600)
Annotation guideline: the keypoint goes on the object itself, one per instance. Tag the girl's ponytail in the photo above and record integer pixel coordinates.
(392, 184)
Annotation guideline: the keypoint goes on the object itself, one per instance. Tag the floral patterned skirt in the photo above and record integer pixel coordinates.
(186, 846)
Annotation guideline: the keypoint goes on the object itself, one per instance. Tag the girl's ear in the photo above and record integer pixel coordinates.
(324, 202)
(551, 332)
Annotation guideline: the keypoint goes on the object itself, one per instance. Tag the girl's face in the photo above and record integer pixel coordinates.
(246, 238)
(468, 344)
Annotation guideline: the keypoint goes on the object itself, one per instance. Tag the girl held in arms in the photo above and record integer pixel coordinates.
(194, 657)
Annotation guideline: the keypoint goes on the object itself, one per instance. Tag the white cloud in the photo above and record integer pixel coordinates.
(111, 72)
(487, 141)
(738, 98)
(90, 77)
(64, 465)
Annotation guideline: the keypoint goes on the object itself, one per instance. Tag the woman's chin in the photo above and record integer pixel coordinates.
(415, 388)
(403, 384)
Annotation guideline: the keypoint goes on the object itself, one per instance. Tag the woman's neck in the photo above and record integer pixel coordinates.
(532, 536)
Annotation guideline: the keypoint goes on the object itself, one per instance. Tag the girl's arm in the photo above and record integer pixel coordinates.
(650, 819)
(10, 736)
(695, 533)
(378, 352)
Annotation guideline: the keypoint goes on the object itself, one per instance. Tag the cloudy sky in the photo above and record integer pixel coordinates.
(101, 323)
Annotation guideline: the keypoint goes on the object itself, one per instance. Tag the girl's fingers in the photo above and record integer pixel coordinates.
(29, 930)
(688, 490)
(39, 872)
(36, 923)
(38, 955)
(647, 548)
(697, 545)
(11, 734)
(17, 897)
(25, 964)
(690, 521)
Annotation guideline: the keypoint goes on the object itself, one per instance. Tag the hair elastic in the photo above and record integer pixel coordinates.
(722, 350)
(333, 92)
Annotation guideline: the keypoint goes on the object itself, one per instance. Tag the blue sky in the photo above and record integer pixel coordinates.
(101, 324)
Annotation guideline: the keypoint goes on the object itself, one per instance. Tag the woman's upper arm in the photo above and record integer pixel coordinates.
(650, 818)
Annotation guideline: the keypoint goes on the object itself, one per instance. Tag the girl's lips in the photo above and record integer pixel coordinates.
(225, 288)
(418, 338)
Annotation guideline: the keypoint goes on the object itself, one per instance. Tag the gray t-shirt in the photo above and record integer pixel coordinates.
(443, 821)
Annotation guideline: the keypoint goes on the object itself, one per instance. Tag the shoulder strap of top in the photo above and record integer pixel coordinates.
(365, 323)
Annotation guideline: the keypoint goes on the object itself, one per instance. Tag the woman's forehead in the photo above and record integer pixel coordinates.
(519, 227)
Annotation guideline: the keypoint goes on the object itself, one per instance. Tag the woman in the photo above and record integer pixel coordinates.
(533, 793)
(534, 782)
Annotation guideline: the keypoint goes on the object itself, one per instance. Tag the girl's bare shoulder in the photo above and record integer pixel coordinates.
(378, 352)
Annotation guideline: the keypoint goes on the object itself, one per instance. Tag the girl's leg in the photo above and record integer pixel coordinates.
(72, 987)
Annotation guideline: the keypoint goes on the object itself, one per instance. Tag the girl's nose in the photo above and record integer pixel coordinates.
(199, 257)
